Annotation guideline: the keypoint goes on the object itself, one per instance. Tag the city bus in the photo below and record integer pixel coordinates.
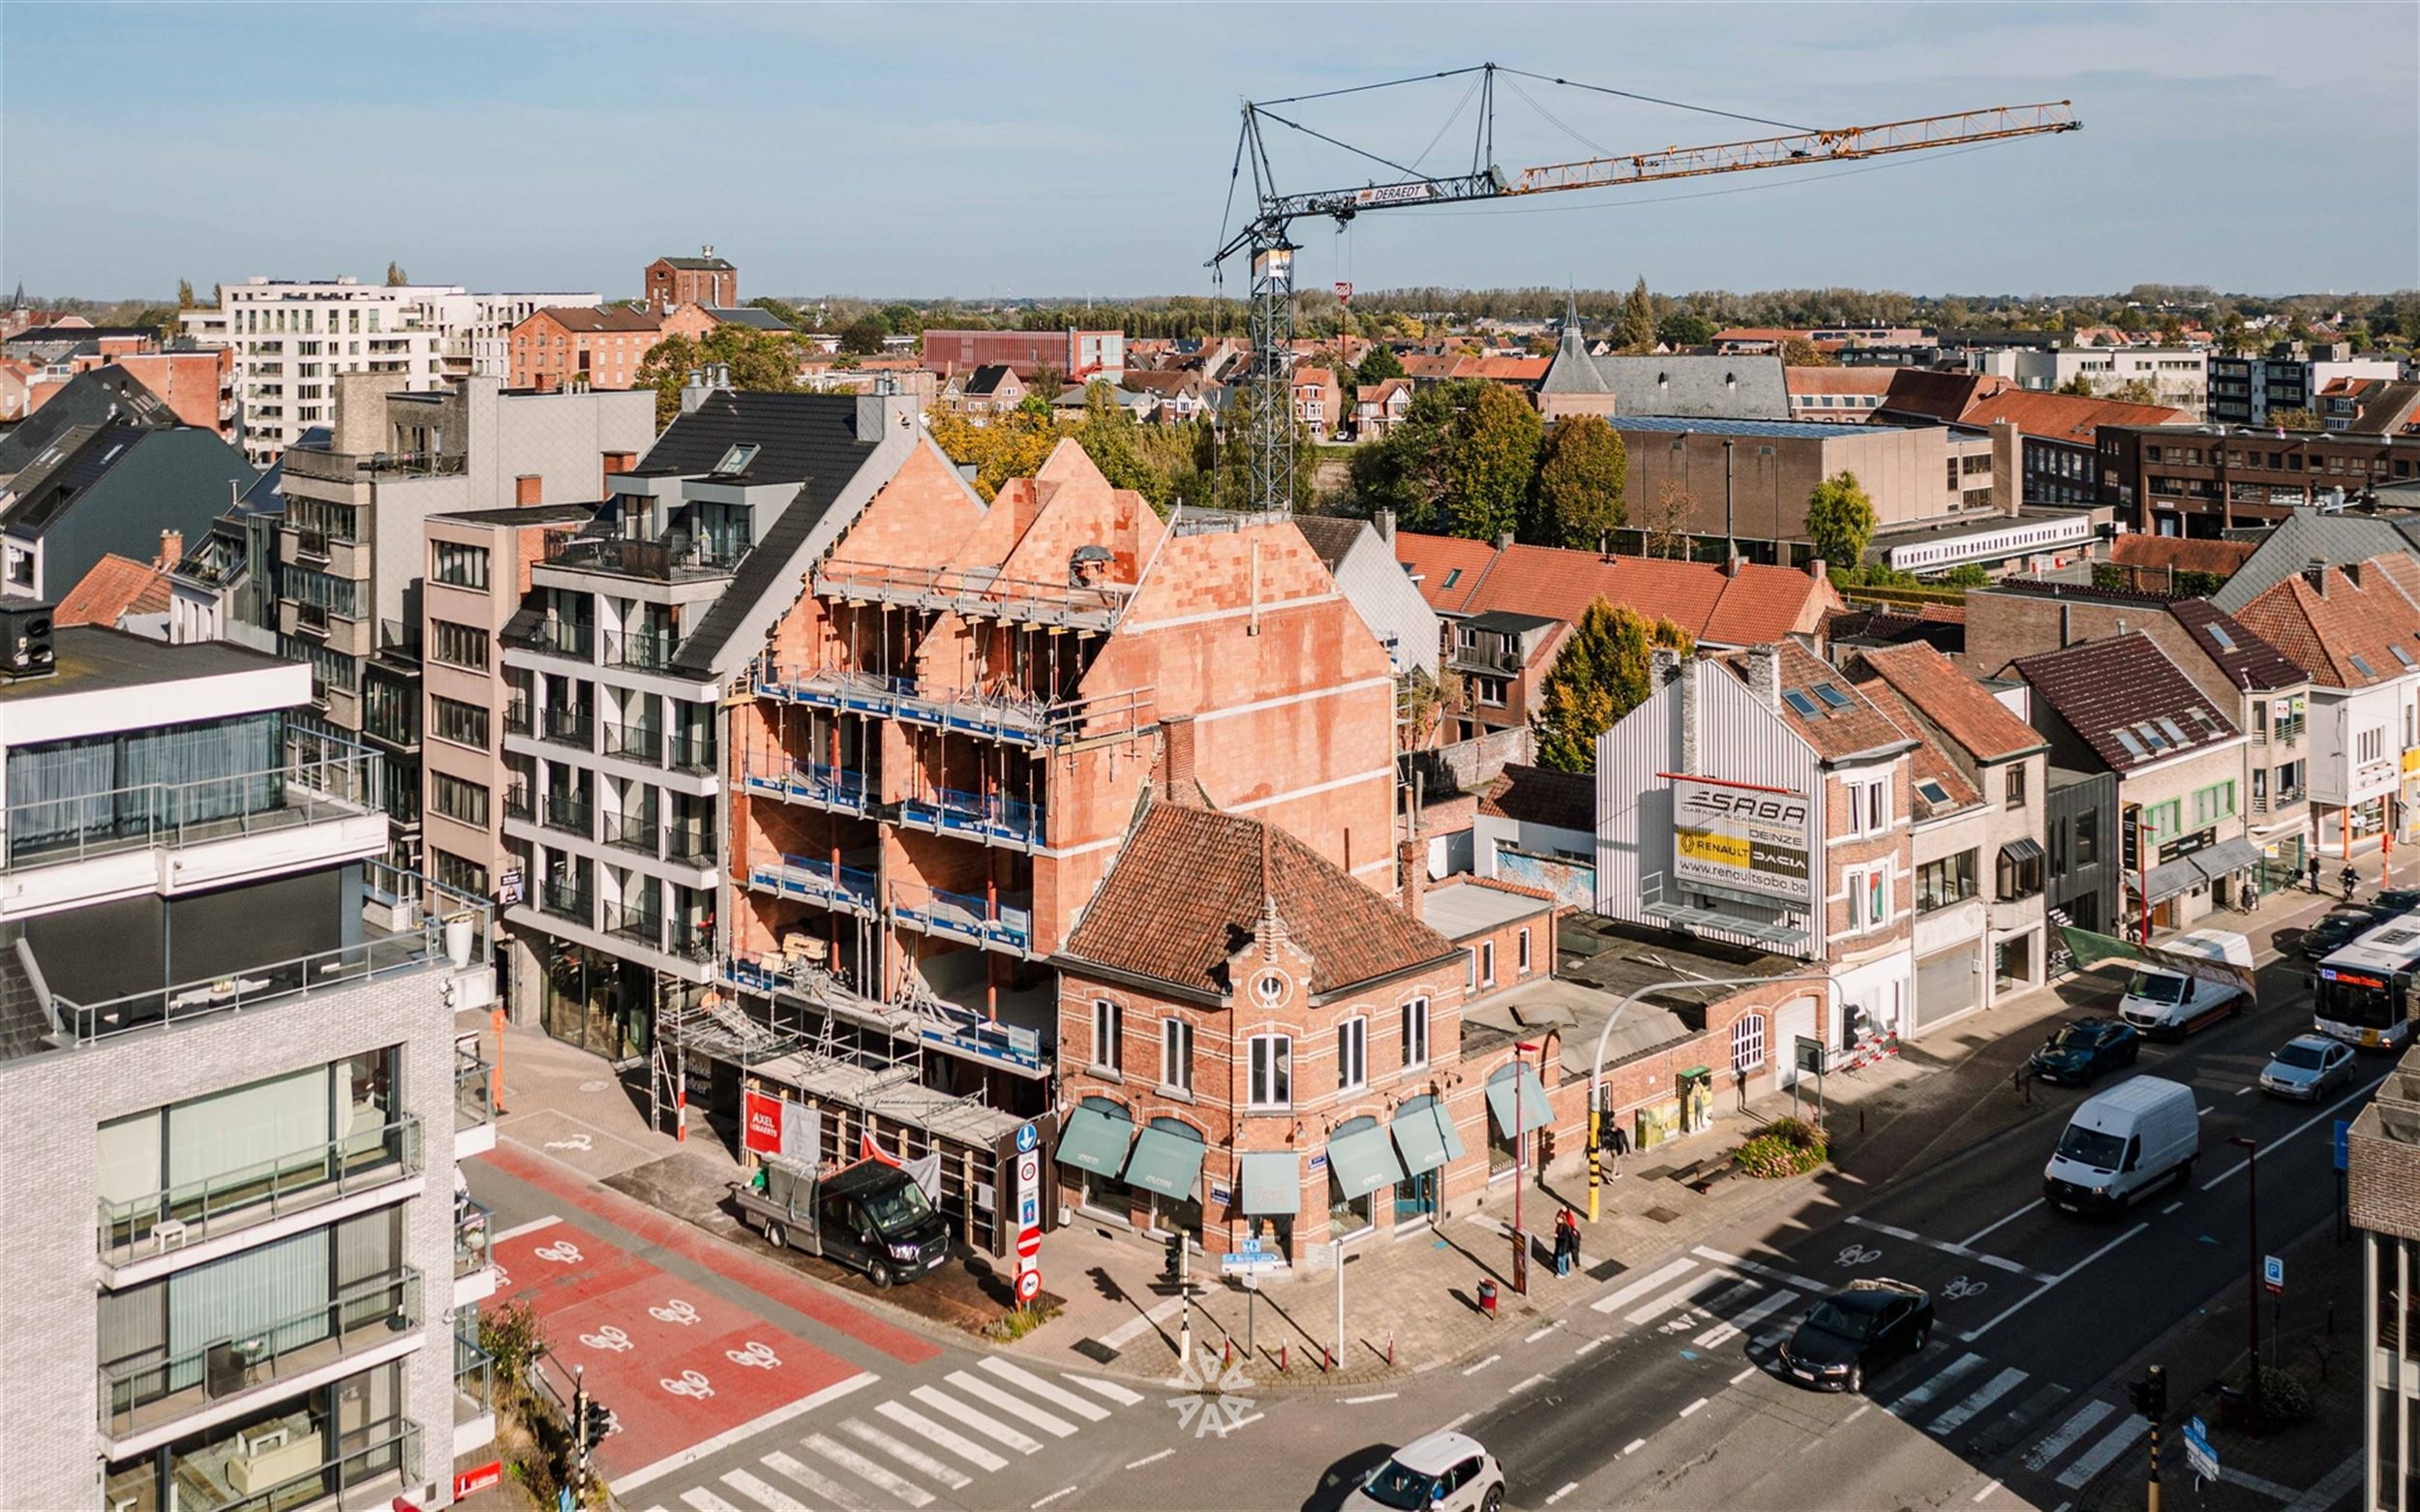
(2364, 988)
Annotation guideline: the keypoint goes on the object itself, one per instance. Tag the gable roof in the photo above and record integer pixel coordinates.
(1752, 605)
(989, 379)
(1688, 386)
(2243, 654)
(1573, 370)
(99, 397)
(1188, 891)
(1540, 795)
(1446, 569)
(1952, 701)
(2359, 625)
(2063, 417)
(1852, 727)
(1929, 763)
(1937, 396)
(2121, 695)
(1331, 537)
(2179, 553)
(798, 437)
(600, 318)
(745, 314)
(697, 264)
(2307, 535)
(115, 585)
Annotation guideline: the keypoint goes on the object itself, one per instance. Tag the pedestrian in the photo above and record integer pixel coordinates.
(1618, 1141)
(1566, 1241)
(2351, 878)
(2314, 873)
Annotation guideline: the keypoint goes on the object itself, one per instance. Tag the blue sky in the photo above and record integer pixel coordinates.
(1071, 150)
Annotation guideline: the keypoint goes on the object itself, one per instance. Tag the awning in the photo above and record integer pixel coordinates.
(1095, 1139)
(1536, 1112)
(1362, 1160)
(1418, 1139)
(1445, 1127)
(1272, 1183)
(2166, 882)
(1167, 1163)
(2023, 848)
(2226, 858)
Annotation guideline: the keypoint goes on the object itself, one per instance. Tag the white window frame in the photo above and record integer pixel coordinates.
(1264, 1052)
(1860, 886)
(1487, 963)
(1177, 1055)
(1109, 1029)
(1353, 1053)
(1747, 1043)
(1870, 806)
(1524, 958)
(1415, 1038)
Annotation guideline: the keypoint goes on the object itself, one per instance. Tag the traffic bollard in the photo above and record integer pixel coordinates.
(1281, 1359)
(1390, 1349)
(1327, 1359)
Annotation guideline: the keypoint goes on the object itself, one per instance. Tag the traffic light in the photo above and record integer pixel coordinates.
(2138, 1396)
(1546, 1146)
(595, 1423)
(2150, 1394)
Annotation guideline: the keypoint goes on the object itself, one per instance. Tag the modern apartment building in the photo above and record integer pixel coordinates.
(2207, 480)
(2289, 376)
(241, 1060)
(613, 780)
(2178, 376)
(478, 328)
(349, 576)
(1075, 357)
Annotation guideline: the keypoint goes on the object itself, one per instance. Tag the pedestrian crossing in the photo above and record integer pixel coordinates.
(1711, 1301)
(929, 1442)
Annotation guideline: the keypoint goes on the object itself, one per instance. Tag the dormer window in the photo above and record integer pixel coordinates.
(737, 459)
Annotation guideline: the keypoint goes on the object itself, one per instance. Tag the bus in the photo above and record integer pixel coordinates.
(2364, 988)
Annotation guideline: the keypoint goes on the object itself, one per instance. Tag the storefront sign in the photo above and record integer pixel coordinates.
(1743, 839)
(761, 1118)
(479, 1477)
(2186, 844)
(508, 887)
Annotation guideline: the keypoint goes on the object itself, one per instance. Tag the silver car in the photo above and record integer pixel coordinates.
(2308, 1067)
(1442, 1473)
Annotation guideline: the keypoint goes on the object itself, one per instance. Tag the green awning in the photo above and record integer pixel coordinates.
(1272, 1183)
(1362, 1160)
(1167, 1163)
(1445, 1129)
(1418, 1139)
(1095, 1139)
(1536, 1112)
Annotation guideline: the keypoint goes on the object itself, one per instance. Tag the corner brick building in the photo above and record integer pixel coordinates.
(702, 279)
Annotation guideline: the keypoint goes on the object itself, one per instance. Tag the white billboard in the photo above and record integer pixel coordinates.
(1739, 838)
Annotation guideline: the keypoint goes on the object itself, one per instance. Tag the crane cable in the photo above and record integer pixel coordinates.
(1355, 89)
(1677, 105)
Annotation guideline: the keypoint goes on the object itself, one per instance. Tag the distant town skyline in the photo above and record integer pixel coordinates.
(1055, 152)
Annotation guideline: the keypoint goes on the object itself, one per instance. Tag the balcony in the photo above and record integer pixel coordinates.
(1005, 924)
(639, 742)
(638, 926)
(390, 1460)
(692, 753)
(518, 804)
(990, 818)
(517, 719)
(691, 846)
(568, 724)
(637, 833)
(347, 468)
(474, 1097)
(668, 561)
(850, 888)
(190, 1213)
(812, 783)
(314, 781)
(158, 1388)
(569, 902)
(1009, 716)
(940, 1024)
(566, 638)
(644, 650)
(475, 1242)
(570, 814)
(691, 941)
(977, 592)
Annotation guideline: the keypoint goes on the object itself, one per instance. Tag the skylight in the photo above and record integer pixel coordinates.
(2225, 640)
(1799, 700)
(2134, 748)
(1933, 791)
(2361, 666)
(2151, 737)
(738, 458)
(2169, 729)
(1831, 695)
(2403, 656)
(1453, 577)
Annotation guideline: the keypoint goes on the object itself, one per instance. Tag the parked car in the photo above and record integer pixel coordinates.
(2081, 1051)
(1853, 1333)
(871, 1216)
(1443, 1472)
(2308, 1067)
(2167, 1001)
(2123, 1142)
(2332, 933)
(2397, 901)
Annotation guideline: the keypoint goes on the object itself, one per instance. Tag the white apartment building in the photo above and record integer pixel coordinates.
(292, 338)
(2178, 376)
(240, 1059)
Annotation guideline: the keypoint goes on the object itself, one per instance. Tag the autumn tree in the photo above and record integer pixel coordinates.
(185, 293)
(1462, 462)
(1635, 331)
(760, 361)
(1667, 521)
(1602, 674)
(1582, 472)
(1010, 446)
(2137, 391)
(1796, 351)
(1840, 520)
(396, 277)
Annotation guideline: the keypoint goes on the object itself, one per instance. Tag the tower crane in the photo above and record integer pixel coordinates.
(1266, 238)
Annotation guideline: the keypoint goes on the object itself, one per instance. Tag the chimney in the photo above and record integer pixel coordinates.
(1503, 540)
(1765, 676)
(1732, 564)
(2316, 575)
(1685, 674)
(706, 251)
(1384, 520)
(693, 392)
(171, 551)
(1176, 754)
(2352, 573)
(525, 488)
(1414, 855)
(620, 462)
(1815, 569)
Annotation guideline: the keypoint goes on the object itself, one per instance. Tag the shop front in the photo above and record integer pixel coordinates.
(1517, 1106)
(1426, 1144)
(599, 1002)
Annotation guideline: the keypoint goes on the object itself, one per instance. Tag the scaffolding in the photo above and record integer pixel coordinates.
(718, 1029)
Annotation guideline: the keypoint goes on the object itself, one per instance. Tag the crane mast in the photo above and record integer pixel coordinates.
(1266, 240)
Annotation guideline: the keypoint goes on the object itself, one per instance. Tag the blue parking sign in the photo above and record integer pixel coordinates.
(2344, 1145)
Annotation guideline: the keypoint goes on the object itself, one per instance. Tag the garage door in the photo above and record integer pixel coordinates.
(1945, 984)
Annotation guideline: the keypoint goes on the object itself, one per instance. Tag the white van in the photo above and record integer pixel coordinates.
(2123, 1142)
(2162, 1000)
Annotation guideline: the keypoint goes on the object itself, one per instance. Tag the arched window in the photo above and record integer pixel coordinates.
(1747, 1042)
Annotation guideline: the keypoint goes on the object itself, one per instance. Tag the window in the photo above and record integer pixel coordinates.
(2165, 820)
(1524, 952)
(1107, 1020)
(2020, 871)
(2088, 837)
(1868, 889)
(1491, 691)
(2369, 744)
(2213, 803)
(1487, 963)
(1352, 1054)
(1415, 1033)
(1177, 1055)
(459, 873)
(452, 719)
(2015, 786)
(457, 565)
(458, 645)
(1747, 1042)
(1944, 882)
(458, 800)
(1272, 1059)
(1869, 807)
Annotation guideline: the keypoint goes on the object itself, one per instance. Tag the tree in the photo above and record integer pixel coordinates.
(1796, 351)
(903, 320)
(1685, 328)
(185, 293)
(1635, 330)
(2137, 391)
(396, 277)
(780, 310)
(1582, 471)
(760, 361)
(1462, 462)
(1840, 520)
(1378, 364)
(2079, 386)
(1602, 674)
(863, 336)
(1668, 520)
(2293, 419)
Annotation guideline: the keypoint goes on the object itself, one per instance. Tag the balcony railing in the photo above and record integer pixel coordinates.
(518, 804)
(566, 900)
(940, 1024)
(640, 926)
(474, 1235)
(692, 940)
(517, 717)
(816, 880)
(691, 843)
(396, 1452)
(344, 466)
(159, 1387)
(1009, 714)
(663, 561)
(190, 1212)
(978, 591)
(569, 724)
(312, 781)
(567, 638)
(638, 833)
(571, 814)
(644, 650)
(474, 1379)
(812, 782)
(474, 1086)
(963, 915)
(692, 753)
(990, 817)
(639, 742)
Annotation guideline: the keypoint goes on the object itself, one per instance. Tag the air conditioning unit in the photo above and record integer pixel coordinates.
(25, 650)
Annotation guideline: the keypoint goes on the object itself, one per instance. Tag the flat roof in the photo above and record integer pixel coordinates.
(1459, 909)
(1508, 619)
(1785, 430)
(1580, 1012)
(91, 659)
(527, 514)
(1623, 957)
(1993, 525)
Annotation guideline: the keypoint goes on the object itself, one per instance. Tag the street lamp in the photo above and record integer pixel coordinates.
(1521, 1142)
(2251, 1270)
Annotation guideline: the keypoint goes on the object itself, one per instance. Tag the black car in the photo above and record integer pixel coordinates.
(1853, 1333)
(2082, 1050)
(2397, 901)
(2332, 933)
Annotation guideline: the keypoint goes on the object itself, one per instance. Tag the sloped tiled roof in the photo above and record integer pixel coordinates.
(1446, 569)
(115, 585)
(1330, 536)
(1852, 727)
(1539, 795)
(2362, 628)
(987, 379)
(1749, 607)
(602, 318)
(2126, 683)
(1187, 893)
(2242, 653)
(1929, 762)
(1953, 701)
(2179, 553)
(2309, 535)
(2063, 417)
